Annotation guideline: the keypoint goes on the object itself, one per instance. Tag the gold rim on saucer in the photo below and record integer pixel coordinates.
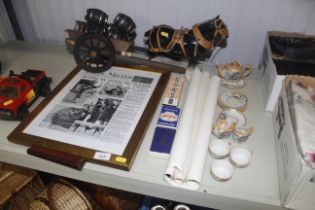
(232, 100)
(234, 115)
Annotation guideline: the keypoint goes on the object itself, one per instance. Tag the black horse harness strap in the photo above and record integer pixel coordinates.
(201, 39)
(158, 48)
(220, 29)
(177, 38)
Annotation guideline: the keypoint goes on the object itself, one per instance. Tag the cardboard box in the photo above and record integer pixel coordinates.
(296, 178)
(275, 64)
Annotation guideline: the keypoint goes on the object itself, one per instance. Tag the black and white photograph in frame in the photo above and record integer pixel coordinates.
(77, 118)
(115, 88)
(82, 91)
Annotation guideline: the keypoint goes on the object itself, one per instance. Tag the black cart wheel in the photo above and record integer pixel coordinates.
(94, 53)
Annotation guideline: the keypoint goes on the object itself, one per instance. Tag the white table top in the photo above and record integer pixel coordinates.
(254, 187)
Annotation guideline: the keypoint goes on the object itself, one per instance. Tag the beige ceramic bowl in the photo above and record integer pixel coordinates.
(221, 170)
(219, 149)
(240, 157)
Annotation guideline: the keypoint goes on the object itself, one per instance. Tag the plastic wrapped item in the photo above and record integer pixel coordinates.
(293, 53)
(295, 48)
(301, 98)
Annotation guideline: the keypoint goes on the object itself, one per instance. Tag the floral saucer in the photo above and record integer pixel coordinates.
(232, 100)
(234, 116)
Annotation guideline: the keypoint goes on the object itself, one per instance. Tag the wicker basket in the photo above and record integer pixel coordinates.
(18, 187)
(112, 199)
(61, 195)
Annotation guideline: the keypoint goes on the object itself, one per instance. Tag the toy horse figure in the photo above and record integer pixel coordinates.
(195, 44)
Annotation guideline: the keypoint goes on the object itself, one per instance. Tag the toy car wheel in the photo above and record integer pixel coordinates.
(94, 53)
(22, 113)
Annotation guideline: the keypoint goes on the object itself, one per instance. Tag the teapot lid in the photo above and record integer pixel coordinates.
(234, 66)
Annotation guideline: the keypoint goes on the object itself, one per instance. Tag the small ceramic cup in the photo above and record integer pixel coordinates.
(219, 149)
(241, 134)
(221, 170)
(240, 157)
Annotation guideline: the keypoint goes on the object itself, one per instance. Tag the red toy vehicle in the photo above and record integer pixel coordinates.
(18, 92)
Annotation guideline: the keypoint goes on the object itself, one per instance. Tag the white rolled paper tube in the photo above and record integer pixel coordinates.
(178, 155)
(202, 93)
(200, 151)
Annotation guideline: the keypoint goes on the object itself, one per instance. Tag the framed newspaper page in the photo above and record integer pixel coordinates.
(101, 117)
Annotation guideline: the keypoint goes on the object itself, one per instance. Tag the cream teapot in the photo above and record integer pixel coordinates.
(234, 70)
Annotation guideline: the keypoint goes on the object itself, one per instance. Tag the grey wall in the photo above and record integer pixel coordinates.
(247, 20)
(6, 31)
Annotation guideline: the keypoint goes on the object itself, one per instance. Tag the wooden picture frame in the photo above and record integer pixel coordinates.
(123, 161)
